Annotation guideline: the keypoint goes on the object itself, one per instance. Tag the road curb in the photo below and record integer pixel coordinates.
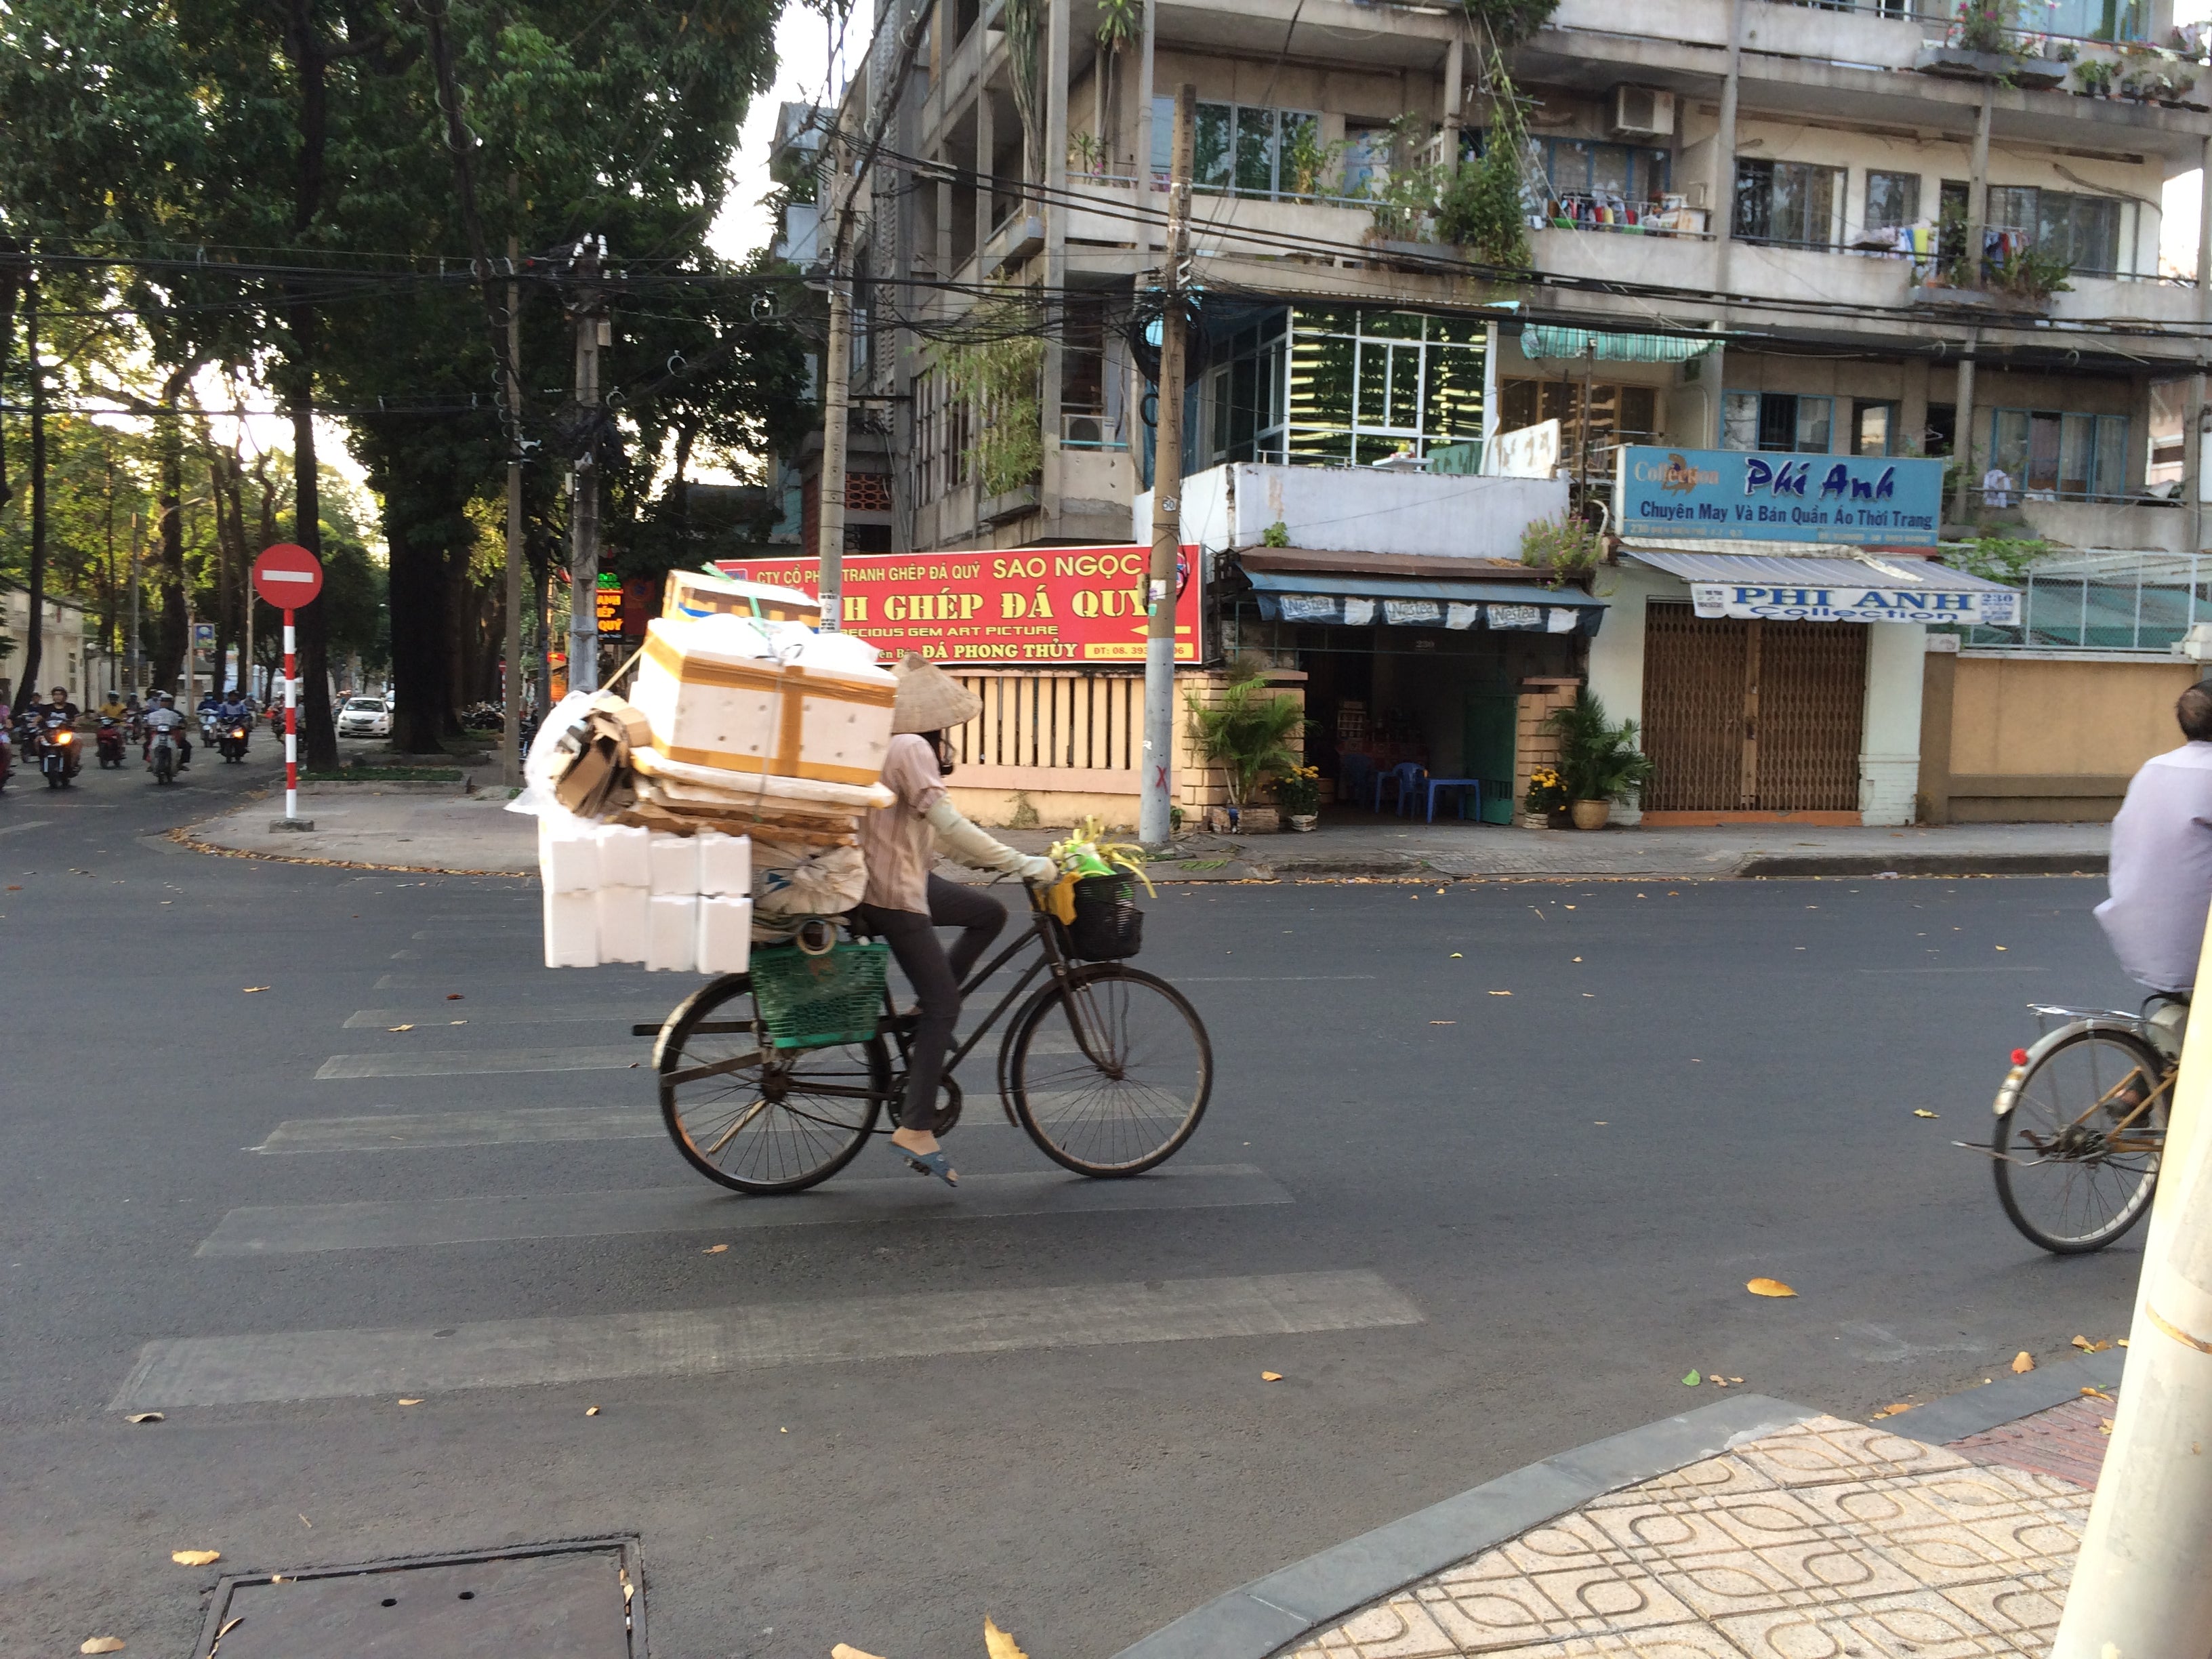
(1977, 1410)
(1785, 865)
(1268, 1614)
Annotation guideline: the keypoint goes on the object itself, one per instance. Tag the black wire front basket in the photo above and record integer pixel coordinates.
(1108, 926)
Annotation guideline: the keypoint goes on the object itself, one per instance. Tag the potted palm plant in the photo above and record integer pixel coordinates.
(1599, 762)
(1248, 734)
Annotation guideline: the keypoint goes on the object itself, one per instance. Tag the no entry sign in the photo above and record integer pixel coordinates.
(287, 576)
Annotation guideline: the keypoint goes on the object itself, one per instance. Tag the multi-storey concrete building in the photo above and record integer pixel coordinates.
(1751, 227)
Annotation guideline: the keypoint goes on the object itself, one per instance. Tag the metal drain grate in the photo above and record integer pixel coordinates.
(570, 1601)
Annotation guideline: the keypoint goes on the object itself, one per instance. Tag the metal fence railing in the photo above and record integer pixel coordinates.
(2111, 601)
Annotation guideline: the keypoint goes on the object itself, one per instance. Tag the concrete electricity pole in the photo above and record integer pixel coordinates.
(510, 743)
(1154, 815)
(836, 371)
(591, 333)
(2140, 1589)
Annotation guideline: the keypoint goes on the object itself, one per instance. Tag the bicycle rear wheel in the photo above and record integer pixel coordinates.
(2077, 1156)
(1110, 1072)
(759, 1119)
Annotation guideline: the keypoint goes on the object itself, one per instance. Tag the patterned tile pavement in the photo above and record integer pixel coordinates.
(1827, 1541)
(2067, 1441)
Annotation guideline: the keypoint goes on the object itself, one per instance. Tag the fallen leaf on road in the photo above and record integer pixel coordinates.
(145, 1417)
(1455, 955)
(2023, 1361)
(997, 1644)
(714, 1249)
(1922, 1111)
(2099, 1393)
(251, 989)
(415, 1401)
(846, 1651)
(103, 1644)
(2087, 1347)
(304, 1522)
(1692, 1380)
(1444, 1021)
(2120, 1342)
(453, 996)
(15, 886)
(1577, 958)
(399, 1028)
(1891, 1410)
(195, 1558)
(1501, 994)
(463, 1021)
(2000, 947)
(2104, 1425)
(591, 1411)
(1768, 1287)
(1271, 1376)
(228, 1626)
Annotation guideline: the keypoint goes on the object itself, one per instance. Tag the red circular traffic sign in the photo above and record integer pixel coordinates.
(287, 576)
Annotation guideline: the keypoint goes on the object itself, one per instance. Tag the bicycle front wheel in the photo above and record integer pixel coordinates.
(759, 1119)
(2077, 1156)
(1109, 1071)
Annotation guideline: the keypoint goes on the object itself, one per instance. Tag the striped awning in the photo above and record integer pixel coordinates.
(1540, 340)
(1358, 600)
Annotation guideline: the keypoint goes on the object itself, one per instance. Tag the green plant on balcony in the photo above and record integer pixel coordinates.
(1485, 208)
(1121, 23)
(1087, 153)
(1986, 25)
(1001, 378)
(1997, 558)
(2154, 73)
(1306, 161)
(1404, 203)
(1510, 21)
(2092, 78)
(2029, 273)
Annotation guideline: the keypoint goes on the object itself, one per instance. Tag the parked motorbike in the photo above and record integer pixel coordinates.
(59, 760)
(109, 739)
(163, 755)
(231, 740)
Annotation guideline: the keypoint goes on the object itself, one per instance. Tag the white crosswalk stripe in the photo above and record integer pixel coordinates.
(414, 1131)
(457, 1062)
(474, 1014)
(226, 1371)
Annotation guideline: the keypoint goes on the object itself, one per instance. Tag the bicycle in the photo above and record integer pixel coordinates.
(2080, 1124)
(1108, 1069)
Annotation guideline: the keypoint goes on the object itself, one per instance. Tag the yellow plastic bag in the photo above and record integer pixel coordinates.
(1060, 900)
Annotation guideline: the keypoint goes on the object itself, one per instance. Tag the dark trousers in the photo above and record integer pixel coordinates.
(936, 973)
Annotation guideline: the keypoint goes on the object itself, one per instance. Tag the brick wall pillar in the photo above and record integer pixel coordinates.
(1534, 745)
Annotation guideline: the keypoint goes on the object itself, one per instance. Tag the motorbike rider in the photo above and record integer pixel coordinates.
(112, 708)
(57, 702)
(57, 708)
(164, 716)
(2161, 869)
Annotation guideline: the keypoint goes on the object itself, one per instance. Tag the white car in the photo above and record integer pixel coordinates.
(365, 717)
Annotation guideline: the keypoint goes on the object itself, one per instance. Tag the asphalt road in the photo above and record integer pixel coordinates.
(1558, 1194)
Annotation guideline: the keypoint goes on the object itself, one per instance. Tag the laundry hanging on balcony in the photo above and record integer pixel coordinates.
(1539, 341)
(1358, 600)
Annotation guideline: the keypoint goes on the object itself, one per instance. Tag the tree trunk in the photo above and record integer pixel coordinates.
(27, 682)
(174, 636)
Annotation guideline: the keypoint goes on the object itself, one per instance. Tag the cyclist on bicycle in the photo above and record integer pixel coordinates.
(2161, 867)
(904, 903)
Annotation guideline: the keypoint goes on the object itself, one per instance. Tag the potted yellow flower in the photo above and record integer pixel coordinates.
(1545, 804)
(1297, 792)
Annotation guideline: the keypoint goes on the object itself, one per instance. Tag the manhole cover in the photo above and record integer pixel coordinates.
(580, 1601)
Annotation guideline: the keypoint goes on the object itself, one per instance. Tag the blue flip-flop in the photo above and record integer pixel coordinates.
(934, 1163)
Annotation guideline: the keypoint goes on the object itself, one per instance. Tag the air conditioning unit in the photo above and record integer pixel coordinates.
(1644, 111)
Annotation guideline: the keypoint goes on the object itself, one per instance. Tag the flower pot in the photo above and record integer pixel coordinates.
(1221, 820)
(1303, 822)
(1558, 817)
(1534, 821)
(1591, 814)
(1260, 821)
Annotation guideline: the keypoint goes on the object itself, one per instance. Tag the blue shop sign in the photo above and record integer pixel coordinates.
(1729, 495)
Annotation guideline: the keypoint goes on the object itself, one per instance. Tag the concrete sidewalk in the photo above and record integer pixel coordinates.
(392, 828)
(1748, 1529)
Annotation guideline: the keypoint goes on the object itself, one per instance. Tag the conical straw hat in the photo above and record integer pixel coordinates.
(929, 699)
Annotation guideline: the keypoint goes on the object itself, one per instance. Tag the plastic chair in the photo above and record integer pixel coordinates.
(1405, 779)
(1355, 777)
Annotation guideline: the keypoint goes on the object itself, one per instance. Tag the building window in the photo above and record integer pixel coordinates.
(2092, 20)
(1615, 415)
(1239, 150)
(2083, 230)
(1788, 202)
(1779, 421)
(1608, 175)
(1874, 429)
(1364, 385)
(2051, 455)
(1892, 200)
(1242, 401)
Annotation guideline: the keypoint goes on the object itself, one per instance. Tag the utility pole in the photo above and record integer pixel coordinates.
(510, 743)
(591, 333)
(1154, 817)
(131, 645)
(836, 371)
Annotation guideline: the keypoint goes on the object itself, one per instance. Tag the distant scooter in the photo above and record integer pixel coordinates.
(110, 739)
(59, 760)
(163, 755)
(230, 741)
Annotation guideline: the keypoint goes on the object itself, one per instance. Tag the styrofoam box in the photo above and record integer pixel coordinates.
(747, 715)
(675, 860)
(625, 923)
(567, 855)
(725, 868)
(625, 856)
(673, 945)
(572, 930)
(726, 935)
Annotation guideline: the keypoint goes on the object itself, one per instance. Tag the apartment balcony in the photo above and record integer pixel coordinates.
(1106, 210)
(1868, 34)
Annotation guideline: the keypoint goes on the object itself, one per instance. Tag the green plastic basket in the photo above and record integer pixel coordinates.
(818, 1002)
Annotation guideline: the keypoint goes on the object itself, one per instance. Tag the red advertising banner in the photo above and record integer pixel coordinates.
(1021, 605)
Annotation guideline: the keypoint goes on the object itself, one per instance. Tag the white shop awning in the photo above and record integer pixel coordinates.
(1831, 587)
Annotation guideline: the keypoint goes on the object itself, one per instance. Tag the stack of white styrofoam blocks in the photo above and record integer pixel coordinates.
(679, 903)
